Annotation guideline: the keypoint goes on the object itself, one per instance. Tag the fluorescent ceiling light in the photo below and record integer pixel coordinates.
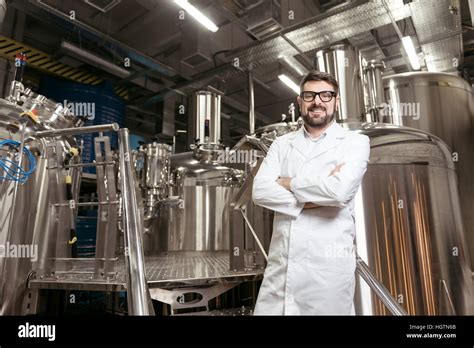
(198, 15)
(286, 80)
(295, 65)
(411, 52)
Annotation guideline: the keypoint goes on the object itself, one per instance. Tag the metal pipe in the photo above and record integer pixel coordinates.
(254, 235)
(16, 184)
(82, 165)
(98, 36)
(392, 20)
(112, 127)
(137, 288)
(84, 204)
(448, 297)
(3, 10)
(94, 60)
(251, 105)
(379, 289)
(375, 91)
(291, 110)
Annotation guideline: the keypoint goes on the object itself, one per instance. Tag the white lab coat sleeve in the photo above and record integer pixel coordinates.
(267, 193)
(338, 189)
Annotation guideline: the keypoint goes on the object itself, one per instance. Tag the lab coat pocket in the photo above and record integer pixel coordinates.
(330, 257)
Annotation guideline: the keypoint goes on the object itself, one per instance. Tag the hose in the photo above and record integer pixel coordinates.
(12, 170)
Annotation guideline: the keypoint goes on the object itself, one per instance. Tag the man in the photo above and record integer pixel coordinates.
(309, 178)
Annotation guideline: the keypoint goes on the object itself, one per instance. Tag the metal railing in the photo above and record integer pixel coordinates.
(138, 297)
(378, 288)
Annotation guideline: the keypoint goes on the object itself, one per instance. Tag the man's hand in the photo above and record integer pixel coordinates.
(284, 182)
(336, 170)
(310, 205)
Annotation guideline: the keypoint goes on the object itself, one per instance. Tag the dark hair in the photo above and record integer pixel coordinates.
(315, 75)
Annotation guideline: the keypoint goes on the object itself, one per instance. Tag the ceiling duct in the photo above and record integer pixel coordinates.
(438, 26)
(323, 30)
(264, 19)
(344, 22)
(330, 4)
(246, 5)
(103, 5)
(195, 47)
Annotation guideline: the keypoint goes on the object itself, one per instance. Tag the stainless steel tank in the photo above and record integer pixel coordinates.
(28, 222)
(156, 171)
(152, 167)
(201, 221)
(441, 104)
(196, 187)
(206, 118)
(342, 62)
(409, 225)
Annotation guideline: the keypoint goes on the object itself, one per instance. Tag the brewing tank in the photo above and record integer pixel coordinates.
(443, 105)
(342, 62)
(206, 118)
(201, 221)
(193, 214)
(28, 220)
(408, 223)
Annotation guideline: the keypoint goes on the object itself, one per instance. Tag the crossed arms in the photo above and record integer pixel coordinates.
(291, 195)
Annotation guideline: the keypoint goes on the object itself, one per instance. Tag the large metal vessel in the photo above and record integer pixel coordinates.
(342, 62)
(441, 104)
(409, 225)
(28, 222)
(201, 221)
(189, 194)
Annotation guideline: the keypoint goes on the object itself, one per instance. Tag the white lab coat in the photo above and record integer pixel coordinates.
(311, 261)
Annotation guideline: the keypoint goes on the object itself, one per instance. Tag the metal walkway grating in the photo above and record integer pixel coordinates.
(167, 270)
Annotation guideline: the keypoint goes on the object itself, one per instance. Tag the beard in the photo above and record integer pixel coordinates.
(317, 122)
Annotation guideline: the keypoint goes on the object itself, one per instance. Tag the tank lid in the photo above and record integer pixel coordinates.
(426, 78)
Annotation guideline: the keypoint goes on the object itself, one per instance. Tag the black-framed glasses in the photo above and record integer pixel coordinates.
(325, 96)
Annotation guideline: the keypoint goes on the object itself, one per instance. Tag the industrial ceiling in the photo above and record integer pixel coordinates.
(156, 58)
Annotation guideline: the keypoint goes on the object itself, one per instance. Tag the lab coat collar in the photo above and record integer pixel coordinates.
(333, 134)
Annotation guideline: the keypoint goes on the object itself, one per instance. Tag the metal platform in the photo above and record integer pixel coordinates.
(227, 312)
(167, 270)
